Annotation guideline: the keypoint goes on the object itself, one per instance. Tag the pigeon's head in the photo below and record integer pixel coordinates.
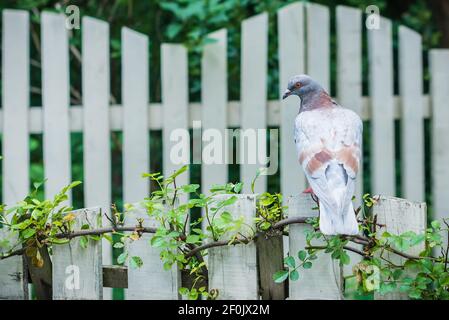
(301, 85)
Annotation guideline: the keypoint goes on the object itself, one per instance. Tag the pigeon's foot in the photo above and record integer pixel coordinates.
(308, 190)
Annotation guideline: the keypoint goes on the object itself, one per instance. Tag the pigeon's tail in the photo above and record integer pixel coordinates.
(332, 222)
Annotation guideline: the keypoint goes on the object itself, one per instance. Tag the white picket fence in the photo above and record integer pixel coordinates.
(304, 47)
(234, 270)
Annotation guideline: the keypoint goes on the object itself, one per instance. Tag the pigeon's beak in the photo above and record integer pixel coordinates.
(286, 94)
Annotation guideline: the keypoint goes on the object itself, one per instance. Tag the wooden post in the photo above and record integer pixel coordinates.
(150, 281)
(270, 257)
(323, 281)
(41, 277)
(399, 216)
(233, 269)
(77, 271)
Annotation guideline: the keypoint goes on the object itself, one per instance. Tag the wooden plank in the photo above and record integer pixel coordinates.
(323, 280)
(115, 277)
(399, 216)
(412, 124)
(349, 83)
(318, 44)
(135, 95)
(253, 112)
(150, 281)
(175, 119)
(97, 159)
(214, 97)
(13, 274)
(233, 269)
(270, 259)
(15, 102)
(380, 56)
(41, 276)
(15, 148)
(77, 271)
(291, 62)
(55, 100)
(439, 91)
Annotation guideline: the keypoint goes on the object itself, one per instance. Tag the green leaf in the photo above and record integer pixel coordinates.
(280, 276)
(28, 233)
(122, 258)
(193, 238)
(190, 188)
(344, 258)
(173, 29)
(435, 224)
(226, 217)
(294, 275)
(302, 255)
(415, 294)
(135, 262)
(157, 241)
(183, 291)
(238, 187)
(290, 261)
(118, 245)
(83, 242)
(307, 265)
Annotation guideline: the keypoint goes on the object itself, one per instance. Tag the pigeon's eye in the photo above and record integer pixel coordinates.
(298, 84)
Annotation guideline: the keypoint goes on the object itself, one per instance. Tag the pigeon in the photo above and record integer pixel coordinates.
(328, 143)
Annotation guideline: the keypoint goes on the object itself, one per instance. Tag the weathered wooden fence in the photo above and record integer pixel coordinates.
(304, 47)
(237, 271)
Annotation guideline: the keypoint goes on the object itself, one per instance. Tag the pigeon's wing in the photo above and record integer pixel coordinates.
(328, 136)
(312, 152)
(348, 153)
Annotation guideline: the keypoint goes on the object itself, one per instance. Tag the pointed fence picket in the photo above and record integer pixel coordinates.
(439, 69)
(304, 46)
(349, 82)
(253, 112)
(380, 58)
(97, 162)
(412, 120)
(214, 96)
(55, 102)
(176, 147)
